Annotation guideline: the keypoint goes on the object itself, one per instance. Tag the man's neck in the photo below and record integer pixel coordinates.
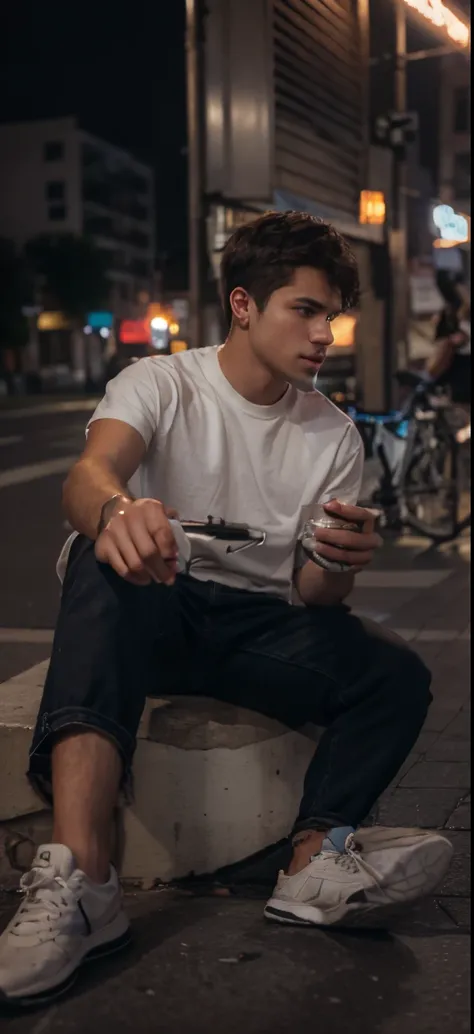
(247, 375)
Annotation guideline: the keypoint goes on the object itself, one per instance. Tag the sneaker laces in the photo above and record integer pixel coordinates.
(351, 859)
(47, 898)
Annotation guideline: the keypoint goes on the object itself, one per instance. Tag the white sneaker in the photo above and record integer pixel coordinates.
(410, 862)
(344, 889)
(63, 921)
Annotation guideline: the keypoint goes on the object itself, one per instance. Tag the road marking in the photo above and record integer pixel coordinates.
(372, 615)
(11, 439)
(26, 635)
(431, 635)
(76, 406)
(34, 471)
(400, 579)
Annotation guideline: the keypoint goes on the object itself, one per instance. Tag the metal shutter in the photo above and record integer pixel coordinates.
(318, 82)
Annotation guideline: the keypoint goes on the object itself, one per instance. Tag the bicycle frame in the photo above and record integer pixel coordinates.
(394, 443)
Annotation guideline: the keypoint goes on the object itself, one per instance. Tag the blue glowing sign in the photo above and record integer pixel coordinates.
(96, 320)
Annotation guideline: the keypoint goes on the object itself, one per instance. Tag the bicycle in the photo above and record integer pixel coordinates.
(419, 457)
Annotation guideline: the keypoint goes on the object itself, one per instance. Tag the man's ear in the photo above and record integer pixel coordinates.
(240, 303)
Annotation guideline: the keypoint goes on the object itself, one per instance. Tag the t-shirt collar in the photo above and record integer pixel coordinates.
(218, 379)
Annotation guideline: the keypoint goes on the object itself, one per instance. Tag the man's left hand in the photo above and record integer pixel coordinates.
(355, 548)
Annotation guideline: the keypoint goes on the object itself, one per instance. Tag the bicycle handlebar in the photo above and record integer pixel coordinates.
(221, 530)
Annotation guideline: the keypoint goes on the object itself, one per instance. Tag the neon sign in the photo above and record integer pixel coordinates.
(453, 227)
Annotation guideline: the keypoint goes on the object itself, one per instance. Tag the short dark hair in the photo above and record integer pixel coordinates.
(262, 256)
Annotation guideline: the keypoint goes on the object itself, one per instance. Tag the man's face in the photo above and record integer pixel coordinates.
(293, 333)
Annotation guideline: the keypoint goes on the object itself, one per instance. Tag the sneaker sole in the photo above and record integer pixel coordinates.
(52, 993)
(366, 919)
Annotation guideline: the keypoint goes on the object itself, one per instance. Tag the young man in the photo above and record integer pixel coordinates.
(238, 432)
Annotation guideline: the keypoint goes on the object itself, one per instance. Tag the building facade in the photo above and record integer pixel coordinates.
(288, 129)
(55, 178)
(455, 134)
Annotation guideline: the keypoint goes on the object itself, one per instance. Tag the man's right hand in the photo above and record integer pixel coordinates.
(138, 542)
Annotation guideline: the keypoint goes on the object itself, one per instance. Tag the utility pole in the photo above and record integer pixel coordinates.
(196, 185)
(400, 175)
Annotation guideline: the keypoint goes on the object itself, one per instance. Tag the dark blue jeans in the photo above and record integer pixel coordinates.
(115, 644)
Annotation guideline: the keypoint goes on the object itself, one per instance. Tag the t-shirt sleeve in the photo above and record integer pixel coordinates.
(133, 397)
(344, 479)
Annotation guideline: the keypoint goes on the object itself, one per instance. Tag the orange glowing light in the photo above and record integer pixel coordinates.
(343, 331)
(372, 208)
(442, 18)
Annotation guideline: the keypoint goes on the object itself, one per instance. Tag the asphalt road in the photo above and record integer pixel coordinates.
(38, 441)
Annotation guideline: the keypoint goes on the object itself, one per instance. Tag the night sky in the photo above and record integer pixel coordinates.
(121, 68)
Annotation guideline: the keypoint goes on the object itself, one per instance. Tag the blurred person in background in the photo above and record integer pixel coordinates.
(450, 365)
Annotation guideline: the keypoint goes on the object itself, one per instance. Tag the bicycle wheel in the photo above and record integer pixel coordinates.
(429, 488)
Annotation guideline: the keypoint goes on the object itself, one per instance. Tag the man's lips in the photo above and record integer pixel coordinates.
(313, 360)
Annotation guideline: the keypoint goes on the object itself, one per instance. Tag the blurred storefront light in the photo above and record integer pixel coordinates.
(454, 227)
(174, 329)
(53, 321)
(372, 208)
(96, 320)
(178, 346)
(343, 331)
(442, 18)
(134, 332)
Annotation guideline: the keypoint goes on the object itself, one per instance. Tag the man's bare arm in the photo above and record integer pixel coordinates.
(113, 453)
(137, 540)
(317, 587)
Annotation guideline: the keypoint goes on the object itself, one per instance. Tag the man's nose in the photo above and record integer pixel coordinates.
(321, 333)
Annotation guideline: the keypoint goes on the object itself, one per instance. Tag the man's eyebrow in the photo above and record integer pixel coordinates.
(313, 303)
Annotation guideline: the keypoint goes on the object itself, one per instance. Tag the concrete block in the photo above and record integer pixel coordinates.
(213, 784)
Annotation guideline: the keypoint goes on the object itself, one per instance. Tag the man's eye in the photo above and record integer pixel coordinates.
(305, 311)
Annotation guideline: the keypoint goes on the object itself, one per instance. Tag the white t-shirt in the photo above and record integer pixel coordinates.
(210, 451)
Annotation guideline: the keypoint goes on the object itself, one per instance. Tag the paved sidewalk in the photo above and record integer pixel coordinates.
(204, 959)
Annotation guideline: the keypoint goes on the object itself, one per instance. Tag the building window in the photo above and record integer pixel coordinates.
(461, 110)
(55, 190)
(140, 268)
(53, 151)
(462, 175)
(57, 213)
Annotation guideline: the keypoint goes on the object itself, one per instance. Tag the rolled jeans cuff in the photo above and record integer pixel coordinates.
(75, 719)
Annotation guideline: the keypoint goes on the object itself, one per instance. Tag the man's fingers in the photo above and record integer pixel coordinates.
(344, 556)
(148, 551)
(355, 540)
(159, 527)
(111, 555)
(120, 537)
(360, 514)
